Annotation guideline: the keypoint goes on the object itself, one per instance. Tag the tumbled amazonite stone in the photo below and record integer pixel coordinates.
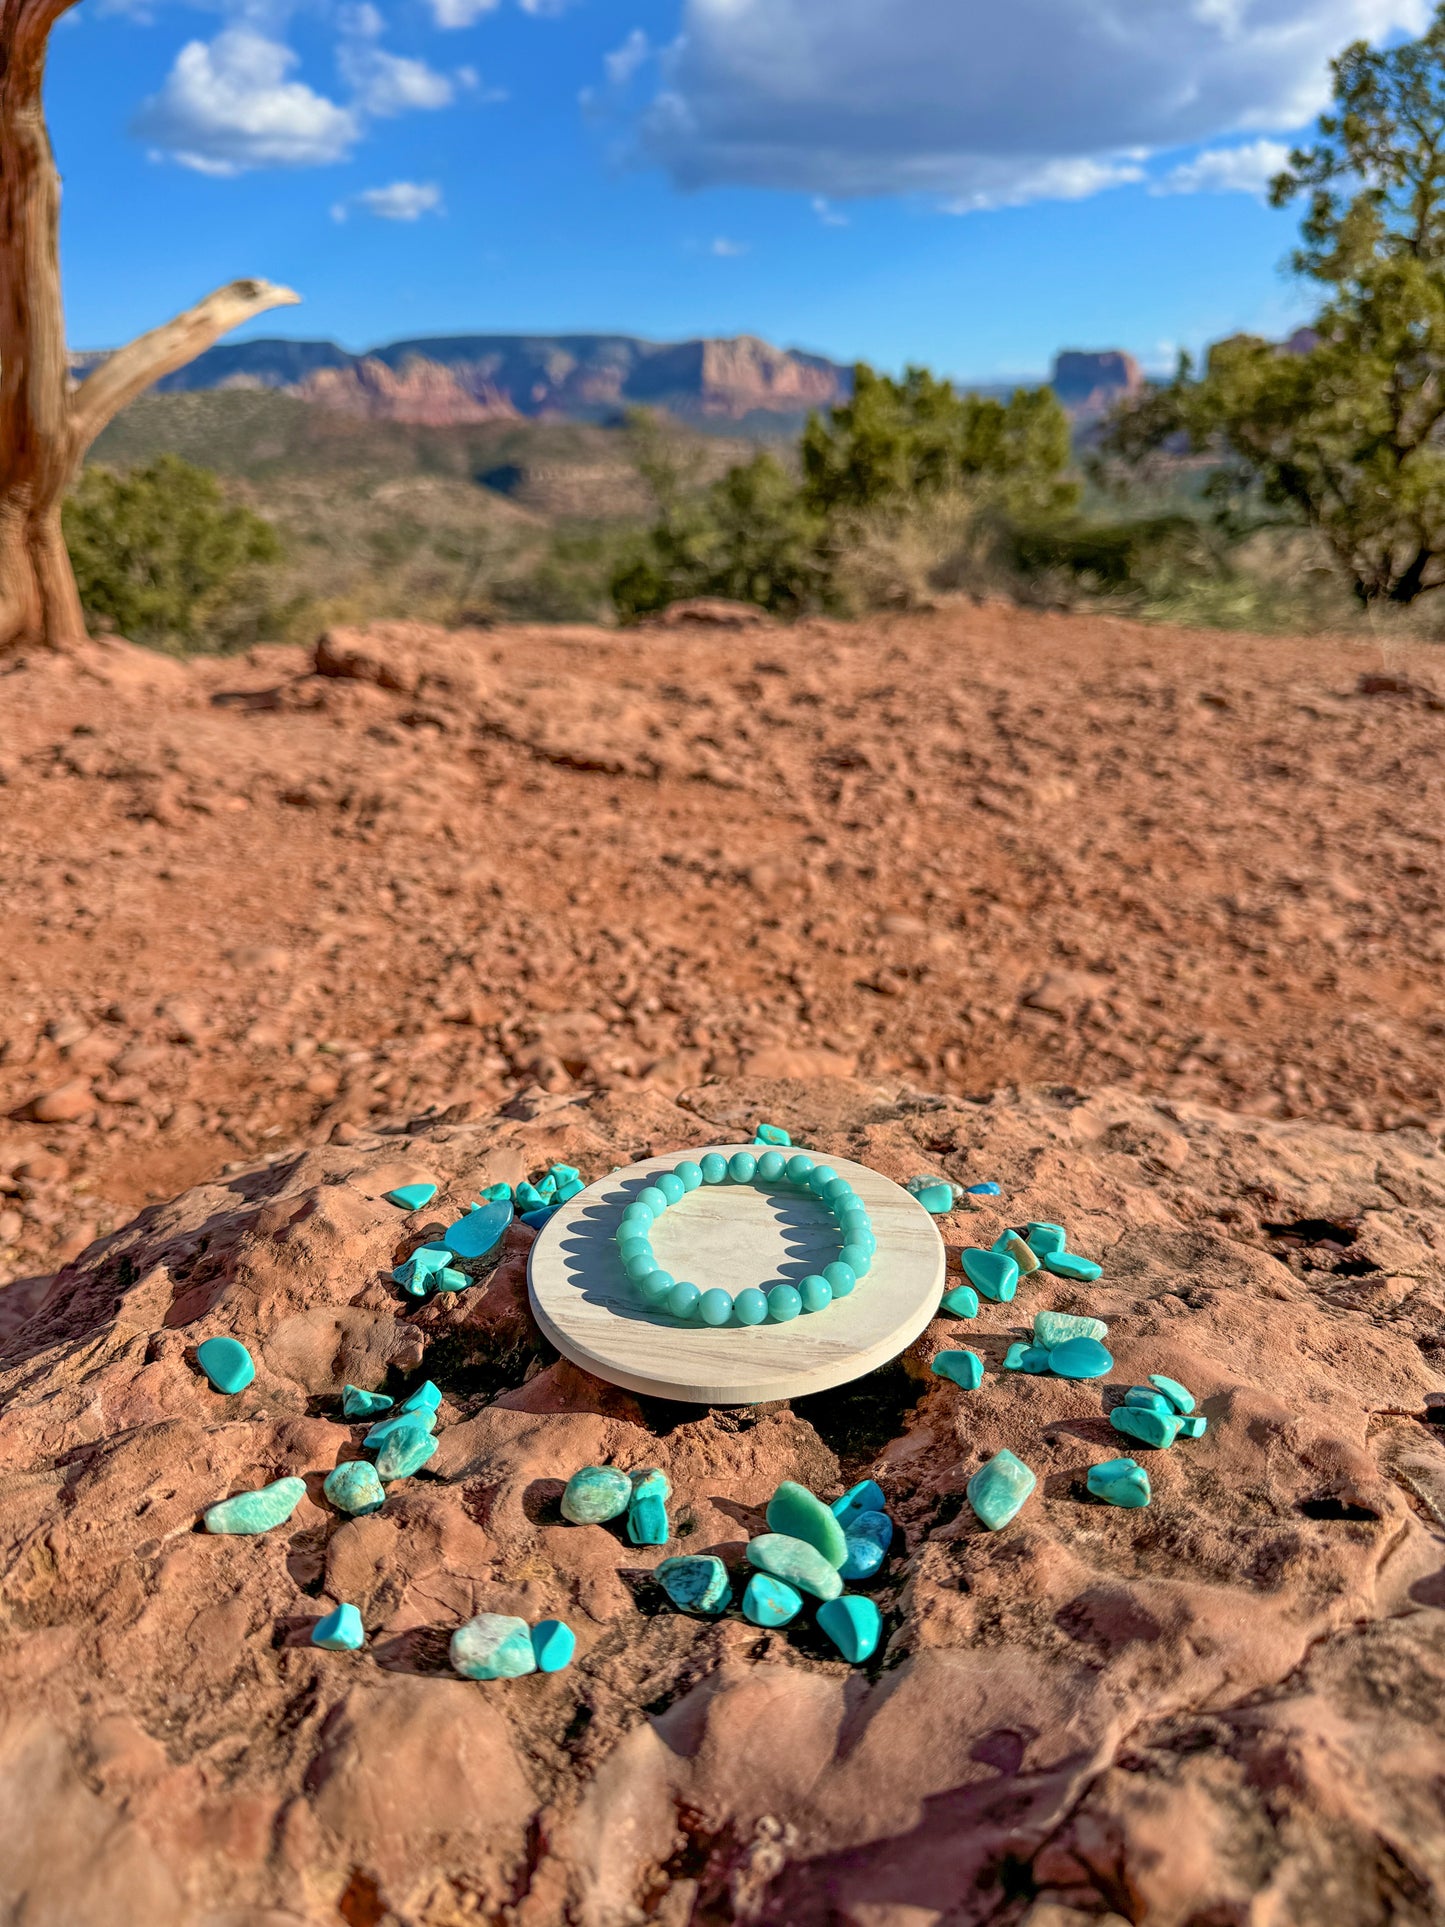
(866, 1496)
(696, 1583)
(794, 1511)
(796, 1561)
(476, 1237)
(340, 1632)
(426, 1398)
(355, 1487)
(853, 1625)
(385, 1428)
(1068, 1264)
(771, 1134)
(990, 1272)
(417, 1274)
(1193, 1425)
(964, 1368)
(1035, 1360)
(1181, 1400)
(1045, 1237)
(1150, 1428)
(647, 1523)
(493, 1646)
(1023, 1255)
(962, 1301)
(937, 1199)
(998, 1489)
(411, 1197)
(1053, 1327)
(406, 1450)
(553, 1644)
(1145, 1399)
(227, 1363)
(257, 1511)
(596, 1494)
(1013, 1358)
(1080, 1358)
(770, 1602)
(1120, 1482)
(355, 1403)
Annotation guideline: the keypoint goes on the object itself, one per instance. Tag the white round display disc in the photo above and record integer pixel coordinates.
(733, 1235)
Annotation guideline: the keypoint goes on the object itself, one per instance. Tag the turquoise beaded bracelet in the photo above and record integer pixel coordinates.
(782, 1302)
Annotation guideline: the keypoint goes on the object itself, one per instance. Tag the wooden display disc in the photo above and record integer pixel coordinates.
(733, 1235)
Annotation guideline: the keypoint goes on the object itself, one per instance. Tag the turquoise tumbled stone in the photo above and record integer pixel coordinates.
(858, 1259)
(355, 1403)
(406, 1450)
(866, 1496)
(671, 1186)
(534, 1220)
(530, 1197)
(742, 1167)
(569, 1188)
(427, 1397)
(595, 1494)
(227, 1363)
(854, 1626)
(802, 1565)
(1150, 1428)
(1023, 1255)
(998, 1489)
(684, 1299)
(1035, 1360)
(257, 1511)
(553, 1644)
(715, 1307)
(696, 1583)
(385, 1428)
(865, 1559)
(417, 1274)
(355, 1487)
(784, 1303)
(872, 1523)
(771, 1134)
(1068, 1264)
(647, 1523)
(650, 1482)
(799, 1169)
(1013, 1358)
(1193, 1425)
(656, 1286)
(770, 1167)
(448, 1280)
(1080, 1358)
(964, 1368)
(1053, 1327)
(840, 1278)
(546, 1189)
(750, 1307)
(937, 1199)
(1120, 1482)
(714, 1168)
(1145, 1399)
(1045, 1237)
(816, 1293)
(690, 1173)
(990, 1188)
(795, 1512)
(340, 1632)
(962, 1301)
(497, 1194)
(563, 1173)
(770, 1602)
(1181, 1400)
(411, 1197)
(990, 1273)
(476, 1236)
(493, 1646)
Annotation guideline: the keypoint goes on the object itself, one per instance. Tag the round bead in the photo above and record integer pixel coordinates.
(671, 1186)
(838, 1189)
(714, 1168)
(716, 1306)
(742, 1167)
(784, 1303)
(857, 1220)
(799, 1169)
(683, 1299)
(690, 1173)
(637, 1268)
(816, 1293)
(770, 1167)
(841, 1278)
(639, 1213)
(822, 1176)
(858, 1261)
(751, 1306)
(631, 1248)
(655, 1198)
(656, 1286)
(631, 1230)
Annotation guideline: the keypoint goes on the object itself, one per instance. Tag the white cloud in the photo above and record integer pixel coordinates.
(984, 105)
(460, 13)
(388, 84)
(727, 250)
(829, 215)
(624, 62)
(1227, 170)
(401, 201)
(227, 105)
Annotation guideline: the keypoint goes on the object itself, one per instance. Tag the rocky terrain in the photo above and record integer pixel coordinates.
(1225, 1709)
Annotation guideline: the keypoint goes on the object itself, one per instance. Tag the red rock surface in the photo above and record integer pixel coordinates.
(1225, 1709)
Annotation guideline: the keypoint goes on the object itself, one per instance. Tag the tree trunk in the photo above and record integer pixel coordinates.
(44, 430)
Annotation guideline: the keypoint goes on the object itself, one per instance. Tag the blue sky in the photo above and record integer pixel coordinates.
(944, 181)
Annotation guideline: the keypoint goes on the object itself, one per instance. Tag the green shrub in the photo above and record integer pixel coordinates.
(162, 557)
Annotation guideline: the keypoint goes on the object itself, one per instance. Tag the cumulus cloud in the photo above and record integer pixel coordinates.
(228, 105)
(460, 13)
(389, 84)
(624, 61)
(986, 106)
(727, 250)
(1227, 170)
(401, 201)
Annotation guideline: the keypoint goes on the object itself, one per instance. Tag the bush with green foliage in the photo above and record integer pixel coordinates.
(162, 557)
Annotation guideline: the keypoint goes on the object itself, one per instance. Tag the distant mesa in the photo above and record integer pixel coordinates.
(1089, 384)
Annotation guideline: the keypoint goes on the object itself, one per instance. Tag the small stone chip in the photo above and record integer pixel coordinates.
(770, 1602)
(355, 1403)
(999, 1488)
(553, 1644)
(340, 1632)
(1150, 1428)
(797, 1562)
(226, 1363)
(794, 1512)
(596, 1494)
(1043, 1237)
(426, 1398)
(1068, 1264)
(1193, 1425)
(355, 1487)
(962, 1301)
(965, 1369)
(411, 1197)
(417, 1275)
(493, 1646)
(1120, 1482)
(250, 1512)
(384, 1428)
(697, 1583)
(854, 1626)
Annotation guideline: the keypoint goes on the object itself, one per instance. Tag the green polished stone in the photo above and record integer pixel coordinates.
(251, 1512)
(866, 1496)
(991, 1273)
(1023, 1254)
(1145, 1399)
(226, 1363)
(596, 1494)
(340, 1631)
(1193, 1425)
(553, 1644)
(1178, 1397)
(962, 1301)
(497, 1194)
(771, 1134)
(998, 1489)
(1053, 1327)
(493, 1646)
(936, 1199)
(356, 1403)
(1044, 1237)
(965, 1369)
(1035, 1360)
(1080, 1358)
(770, 1602)
(1068, 1264)
(696, 1583)
(1150, 1428)
(355, 1487)
(869, 1536)
(647, 1521)
(854, 1626)
(426, 1398)
(411, 1197)
(478, 1236)
(801, 1564)
(1013, 1358)
(384, 1428)
(794, 1511)
(407, 1449)
(1120, 1482)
